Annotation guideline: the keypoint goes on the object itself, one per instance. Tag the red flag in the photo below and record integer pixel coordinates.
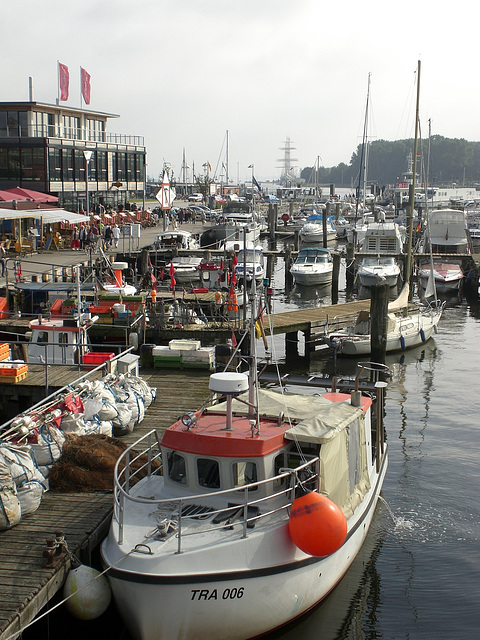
(161, 274)
(173, 282)
(171, 270)
(221, 264)
(234, 261)
(85, 81)
(234, 339)
(63, 81)
(233, 279)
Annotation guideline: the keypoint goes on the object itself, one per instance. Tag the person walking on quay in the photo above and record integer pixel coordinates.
(3, 258)
(116, 235)
(108, 236)
(82, 237)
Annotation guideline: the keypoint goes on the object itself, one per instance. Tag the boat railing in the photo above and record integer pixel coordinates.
(244, 506)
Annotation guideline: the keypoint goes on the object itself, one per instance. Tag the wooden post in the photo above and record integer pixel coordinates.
(324, 224)
(335, 276)
(271, 226)
(379, 322)
(350, 267)
(291, 344)
(288, 264)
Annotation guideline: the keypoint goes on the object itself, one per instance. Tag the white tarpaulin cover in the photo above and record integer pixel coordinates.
(337, 426)
(316, 419)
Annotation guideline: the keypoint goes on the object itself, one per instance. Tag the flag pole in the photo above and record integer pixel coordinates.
(58, 82)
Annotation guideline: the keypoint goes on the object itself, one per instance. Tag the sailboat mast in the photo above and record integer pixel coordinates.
(363, 157)
(226, 161)
(412, 192)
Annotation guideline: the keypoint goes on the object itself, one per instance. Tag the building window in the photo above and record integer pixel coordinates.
(3, 163)
(140, 168)
(55, 164)
(79, 166)
(130, 167)
(102, 172)
(13, 124)
(14, 172)
(68, 165)
(119, 170)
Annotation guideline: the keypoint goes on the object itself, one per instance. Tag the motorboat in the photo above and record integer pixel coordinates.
(445, 234)
(238, 223)
(175, 239)
(376, 269)
(186, 269)
(252, 509)
(448, 275)
(312, 267)
(382, 243)
(409, 325)
(312, 230)
(250, 261)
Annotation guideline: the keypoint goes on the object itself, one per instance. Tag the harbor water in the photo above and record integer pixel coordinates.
(418, 574)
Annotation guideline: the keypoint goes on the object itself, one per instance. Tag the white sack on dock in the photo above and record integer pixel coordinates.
(10, 509)
(48, 447)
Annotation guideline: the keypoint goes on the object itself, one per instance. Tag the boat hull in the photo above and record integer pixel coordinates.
(234, 605)
(311, 278)
(361, 345)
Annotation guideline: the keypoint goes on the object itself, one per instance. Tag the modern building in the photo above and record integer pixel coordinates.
(54, 148)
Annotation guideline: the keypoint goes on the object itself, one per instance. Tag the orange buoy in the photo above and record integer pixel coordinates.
(317, 525)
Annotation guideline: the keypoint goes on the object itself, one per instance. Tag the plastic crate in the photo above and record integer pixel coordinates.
(96, 358)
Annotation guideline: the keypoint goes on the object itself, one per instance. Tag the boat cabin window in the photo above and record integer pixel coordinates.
(293, 458)
(208, 473)
(244, 473)
(42, 336)
(176, 467)
(63, 338)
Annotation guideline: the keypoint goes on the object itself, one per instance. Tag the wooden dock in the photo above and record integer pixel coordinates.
(26, 585)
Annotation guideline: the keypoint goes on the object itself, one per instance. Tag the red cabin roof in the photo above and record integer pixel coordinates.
(210, 438)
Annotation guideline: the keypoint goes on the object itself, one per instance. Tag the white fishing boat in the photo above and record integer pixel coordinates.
(312, 230)
(116, 285)
(313, 266)
(246, 519)
(409, 325)
(250, 261)
(59, 341)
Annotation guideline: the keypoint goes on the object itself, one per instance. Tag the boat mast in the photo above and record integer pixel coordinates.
(226, 161)
(364, 155)
(412, 187)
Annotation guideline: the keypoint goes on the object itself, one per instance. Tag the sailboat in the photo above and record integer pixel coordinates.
(252, 510)
(409, 325)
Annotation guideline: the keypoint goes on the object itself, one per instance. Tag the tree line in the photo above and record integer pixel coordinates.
(447, 161)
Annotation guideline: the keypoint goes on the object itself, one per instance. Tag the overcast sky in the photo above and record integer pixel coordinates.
(183, 72)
